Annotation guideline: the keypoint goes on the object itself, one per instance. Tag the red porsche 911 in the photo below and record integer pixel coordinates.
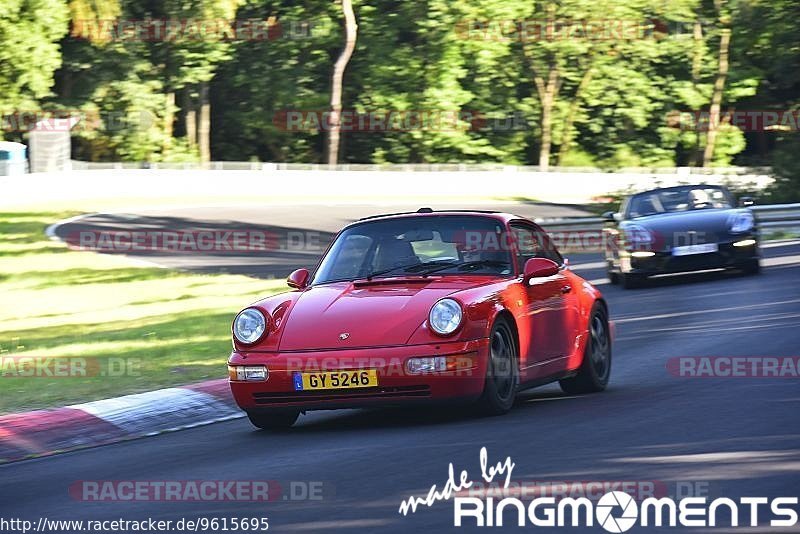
(422, 307)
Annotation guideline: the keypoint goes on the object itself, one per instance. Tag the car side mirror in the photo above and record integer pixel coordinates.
(539, 268)
(746, 201)
(298, 279)
(610, 216)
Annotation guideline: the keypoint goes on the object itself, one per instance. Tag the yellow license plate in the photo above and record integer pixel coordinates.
(335, 380)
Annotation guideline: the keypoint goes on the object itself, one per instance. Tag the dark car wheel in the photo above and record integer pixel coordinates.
(613, 277)
(595, 369)
(751, 267)
(502, 374)
(273, 420)
(632, 281)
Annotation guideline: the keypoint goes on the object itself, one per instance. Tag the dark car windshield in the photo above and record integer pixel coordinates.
(417, 246)
(678, 199)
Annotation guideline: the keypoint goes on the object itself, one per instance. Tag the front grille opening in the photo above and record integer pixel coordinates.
(380, 392)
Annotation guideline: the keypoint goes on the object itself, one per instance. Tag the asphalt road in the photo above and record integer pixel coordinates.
(294, 236)
(729, 437)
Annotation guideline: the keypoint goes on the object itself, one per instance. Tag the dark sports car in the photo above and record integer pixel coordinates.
(679, 229)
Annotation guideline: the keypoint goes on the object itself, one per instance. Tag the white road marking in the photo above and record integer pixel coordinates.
(775, 244)
(703, 312)
(780, 260)
(587, 266)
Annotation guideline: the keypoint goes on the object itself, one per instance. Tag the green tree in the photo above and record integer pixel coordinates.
(288, 70)
(189, 61)
(508, 81)
(29, 51)
(768, 47)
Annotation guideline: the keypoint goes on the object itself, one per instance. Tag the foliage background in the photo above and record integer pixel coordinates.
(203, 96)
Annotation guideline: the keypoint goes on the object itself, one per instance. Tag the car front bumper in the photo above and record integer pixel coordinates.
(727, 256)
(396, 386)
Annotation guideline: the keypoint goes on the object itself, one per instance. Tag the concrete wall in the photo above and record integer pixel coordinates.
(559, 187)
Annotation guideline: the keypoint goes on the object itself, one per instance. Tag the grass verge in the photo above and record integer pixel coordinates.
(136, 328)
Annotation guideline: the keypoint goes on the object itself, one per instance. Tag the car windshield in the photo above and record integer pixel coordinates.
(417, 246)
(677, 200)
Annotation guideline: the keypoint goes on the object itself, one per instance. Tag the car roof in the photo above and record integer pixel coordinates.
(427, 212)
(674, 187)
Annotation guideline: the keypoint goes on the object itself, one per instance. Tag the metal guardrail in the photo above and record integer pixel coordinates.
(778, 215)
(569, 221)
(413, 167)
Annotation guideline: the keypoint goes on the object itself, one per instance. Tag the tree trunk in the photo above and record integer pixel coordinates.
(547, 96)
(351, 32)
(204, 126)
(716, 97)
(697, 63)
(169, 120)
(190, 119)
(67, 83)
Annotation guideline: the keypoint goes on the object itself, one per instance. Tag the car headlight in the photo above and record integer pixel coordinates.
(249, 326)
(637, 236)
(741, 221)
(445, 316)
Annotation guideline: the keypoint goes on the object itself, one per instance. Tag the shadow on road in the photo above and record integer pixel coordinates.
(691, 278)
(199, 245)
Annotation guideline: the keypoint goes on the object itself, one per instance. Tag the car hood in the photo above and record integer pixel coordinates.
(672, 229)
(345, 315)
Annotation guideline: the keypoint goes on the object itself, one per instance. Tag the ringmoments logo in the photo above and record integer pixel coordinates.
(618, 511)
(614, 500)
(615, 511)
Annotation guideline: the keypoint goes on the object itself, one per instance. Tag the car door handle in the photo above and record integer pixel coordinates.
(566, 289)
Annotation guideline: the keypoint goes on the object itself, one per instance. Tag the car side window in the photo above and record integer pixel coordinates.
(532, 243)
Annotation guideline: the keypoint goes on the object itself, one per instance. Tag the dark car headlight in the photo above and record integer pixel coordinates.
(249, 326)
(637, 237)
(740, 222)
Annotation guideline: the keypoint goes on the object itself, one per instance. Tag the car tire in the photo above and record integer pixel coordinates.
(595, 370)
(613, 278)
(751, 267)
(273, 420)
(502, 372)
(631, 281)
